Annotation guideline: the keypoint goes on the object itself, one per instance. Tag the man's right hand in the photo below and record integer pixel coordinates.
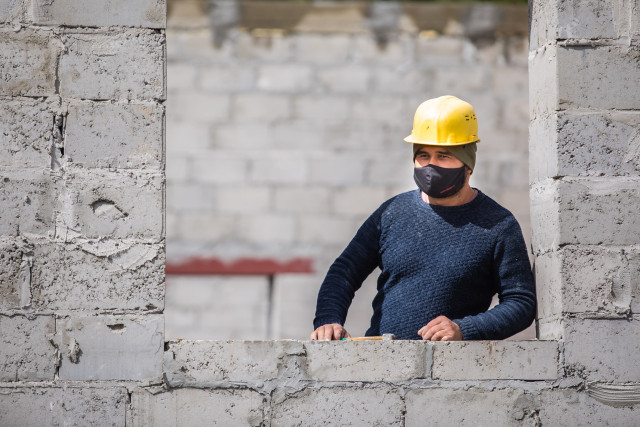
(332, 331)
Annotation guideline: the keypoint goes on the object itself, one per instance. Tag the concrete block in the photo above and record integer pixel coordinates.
(340, 406)
(267, 228)
(206, 227)
(237, 361)
(12, 10)
(242, 200)
(404, 81)
(382, 110)
(294, 296)
(602, 349)
(495, 360)
(470, 406)
(585, 144)
(26, 350)
(598, 78)
(25, 134)
(68, 406)
(305, 134)
(287, 78)
(199, 107)
(392, 169)
(190, 198)
(279, 167)
(595, 280)
(27, 202)
(335, 169)
(98, 204)
(587, 211)
(178, 167)
(459, 80)
(358, 201)
(219, 168)
(345, 79)
(232, 78)
(254, 135)
(119, 347)
(96, 13)
(438, 52)
(568, 406)
(253, 107)
(366, 49)
(544, 81)
(195, 407)
(216, 308)
(97, 275)
(302, 200)
(321, 109)
(196, 46)
(263, 49)
(322, 48)
(28, 63)
(368, 361)
(356, 135)
(183, 76)
(185, 137)
(118, 65)
(115, 135)
(326, 229)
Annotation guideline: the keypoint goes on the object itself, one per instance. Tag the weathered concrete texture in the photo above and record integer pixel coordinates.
(600, 281)
(99, 66)
(28, 62)
(569, 407)
(340, 406)
(97, 13)
(115, 135)
(557, 19)
(15, 291)
(543, 84)
(368, 361)
(602, 350)
(26, 352)
(495, 360)
(11, 10)
(470, 407)
(111, 347)
(586, 211)
(192, 407)
(68, 406)
(25, 133)
(124, 205)
(585, 144)
(123, 275)
(27, 201)
(191, 362)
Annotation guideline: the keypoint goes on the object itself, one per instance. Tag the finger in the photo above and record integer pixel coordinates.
(347, 334)
(324, 332)
(314, 335)
(337, 332)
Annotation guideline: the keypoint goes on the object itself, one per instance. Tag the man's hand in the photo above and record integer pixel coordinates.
(441, 329)
(332, 331)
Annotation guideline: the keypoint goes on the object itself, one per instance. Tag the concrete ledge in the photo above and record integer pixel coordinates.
(495, 360)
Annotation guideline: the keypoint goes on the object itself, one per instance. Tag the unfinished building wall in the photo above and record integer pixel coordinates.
(81, 207)
(285, 127)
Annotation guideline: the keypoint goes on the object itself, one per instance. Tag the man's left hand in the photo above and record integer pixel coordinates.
(441, 329)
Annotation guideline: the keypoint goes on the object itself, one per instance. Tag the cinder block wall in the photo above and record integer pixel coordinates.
(82, 88)
(285, 127)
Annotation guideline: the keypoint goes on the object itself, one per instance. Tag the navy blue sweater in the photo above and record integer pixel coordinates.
(434, 261)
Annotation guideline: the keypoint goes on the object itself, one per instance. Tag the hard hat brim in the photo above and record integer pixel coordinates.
(411, 140)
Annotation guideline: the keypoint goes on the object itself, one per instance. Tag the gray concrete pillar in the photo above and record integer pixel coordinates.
(585, 182)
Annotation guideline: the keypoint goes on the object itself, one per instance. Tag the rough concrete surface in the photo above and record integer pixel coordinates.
(28, 62)
(111, 347)
(340, 406)
(500, 360)
(26, 350)
(63, 406)
(124, 276)
(14, 274)
(115, 135)
(98, 66)
(194, 407)
(470, 407)
(96, 13)
(368, 360)
(11, 10)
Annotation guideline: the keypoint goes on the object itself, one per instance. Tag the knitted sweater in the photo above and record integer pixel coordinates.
(434, 261)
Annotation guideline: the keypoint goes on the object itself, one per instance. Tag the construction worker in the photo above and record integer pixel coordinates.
(443, 250)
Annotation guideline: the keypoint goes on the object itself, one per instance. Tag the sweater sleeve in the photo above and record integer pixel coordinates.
(514, 281)
(348, 271)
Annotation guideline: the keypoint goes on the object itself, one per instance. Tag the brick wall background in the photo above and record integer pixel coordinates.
(284, 132)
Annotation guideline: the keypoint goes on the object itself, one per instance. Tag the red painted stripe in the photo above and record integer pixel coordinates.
(246, 266)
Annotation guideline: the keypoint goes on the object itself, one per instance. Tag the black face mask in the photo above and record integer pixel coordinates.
(438, 182)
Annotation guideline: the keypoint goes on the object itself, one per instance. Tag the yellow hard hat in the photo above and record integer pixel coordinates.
(445, 120)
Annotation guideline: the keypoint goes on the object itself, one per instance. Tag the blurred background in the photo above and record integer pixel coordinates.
(284, 130)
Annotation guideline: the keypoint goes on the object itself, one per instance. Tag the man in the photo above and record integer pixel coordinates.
(443, 250)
